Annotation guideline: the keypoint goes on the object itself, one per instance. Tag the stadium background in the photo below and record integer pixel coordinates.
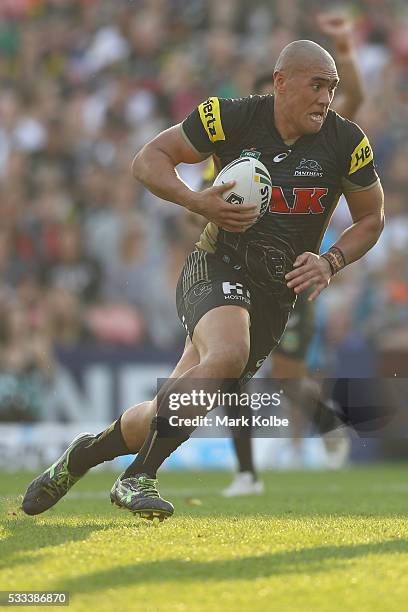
(89, 259)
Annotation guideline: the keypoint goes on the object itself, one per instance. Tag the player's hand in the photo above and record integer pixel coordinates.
(231, 217)
(310, 270)
(338, 27)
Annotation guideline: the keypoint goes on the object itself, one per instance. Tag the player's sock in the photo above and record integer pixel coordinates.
(159, 444)
(107, 445)
(163, 438)
(243, 450)
(242, 441)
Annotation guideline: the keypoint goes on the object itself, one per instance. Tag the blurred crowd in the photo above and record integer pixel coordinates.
(89, 256)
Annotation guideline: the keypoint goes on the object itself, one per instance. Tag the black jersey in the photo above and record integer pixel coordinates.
(308, 178)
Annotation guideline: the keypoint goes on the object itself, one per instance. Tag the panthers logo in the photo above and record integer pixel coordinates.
(309, 164)
(308, 167)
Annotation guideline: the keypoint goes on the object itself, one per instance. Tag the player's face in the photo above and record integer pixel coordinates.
(307, 96)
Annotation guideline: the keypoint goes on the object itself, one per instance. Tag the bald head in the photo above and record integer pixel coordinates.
(304, 80)
(302, 55)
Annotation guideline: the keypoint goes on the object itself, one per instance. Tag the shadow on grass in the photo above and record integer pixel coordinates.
(26, 535)
(308, 560)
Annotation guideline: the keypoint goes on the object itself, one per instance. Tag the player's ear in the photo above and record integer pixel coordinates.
(279, 81)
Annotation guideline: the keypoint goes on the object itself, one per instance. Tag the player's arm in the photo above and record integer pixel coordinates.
(365, 198)
(351, 96)
(367, 212)
(155, 167)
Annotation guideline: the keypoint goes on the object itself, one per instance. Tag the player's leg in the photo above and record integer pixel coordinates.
(303, 392)
(123, 437)
(310, 408)
(269, 323)
(290, 369)
(213, 305)
(116, 439)
(245, 481)
(221, 338)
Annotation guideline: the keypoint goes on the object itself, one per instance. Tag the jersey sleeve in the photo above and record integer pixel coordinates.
(212, 123)
(359, 171)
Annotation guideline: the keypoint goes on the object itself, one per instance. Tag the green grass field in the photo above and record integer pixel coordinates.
(315, 541)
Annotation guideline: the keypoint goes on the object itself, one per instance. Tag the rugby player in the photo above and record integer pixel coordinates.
(289, 357)
(313, 155)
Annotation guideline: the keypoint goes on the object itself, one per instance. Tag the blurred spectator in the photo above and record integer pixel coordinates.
(26, 364)
(85, 84)
(66, 317)
(128, 269)
(72, 270)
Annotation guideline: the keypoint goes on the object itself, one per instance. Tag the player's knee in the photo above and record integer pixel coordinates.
(229, 361)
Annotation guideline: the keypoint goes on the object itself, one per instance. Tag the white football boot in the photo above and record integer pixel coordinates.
(337, 446)
(244, 483)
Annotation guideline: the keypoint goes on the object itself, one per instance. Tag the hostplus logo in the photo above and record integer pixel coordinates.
(308, 167)
(235, 291)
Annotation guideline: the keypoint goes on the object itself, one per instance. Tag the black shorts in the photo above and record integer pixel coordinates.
(299, 330)
(207, 282)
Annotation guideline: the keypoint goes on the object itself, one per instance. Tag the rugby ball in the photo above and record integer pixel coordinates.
(253, 183)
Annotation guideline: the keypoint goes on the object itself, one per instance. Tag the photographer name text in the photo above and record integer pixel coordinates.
(224, 421)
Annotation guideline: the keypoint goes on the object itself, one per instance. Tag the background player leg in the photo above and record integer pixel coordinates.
(308, 407)
(246, 480)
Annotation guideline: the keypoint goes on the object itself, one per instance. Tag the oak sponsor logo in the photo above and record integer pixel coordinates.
(308, 167)
(211, 119)
(306, 200)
